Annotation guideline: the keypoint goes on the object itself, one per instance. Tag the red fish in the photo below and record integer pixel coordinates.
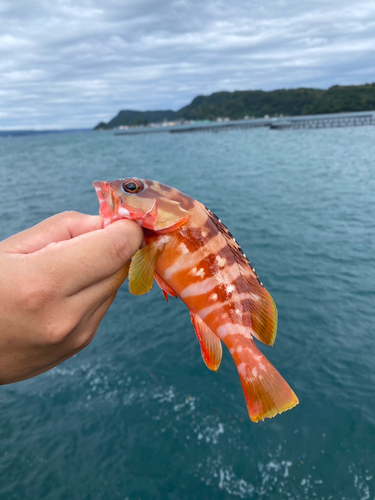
(193, 256)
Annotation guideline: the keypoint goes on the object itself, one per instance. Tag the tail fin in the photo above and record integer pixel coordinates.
(265, 390)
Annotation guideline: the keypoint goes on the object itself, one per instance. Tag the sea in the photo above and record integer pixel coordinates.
(137, 415)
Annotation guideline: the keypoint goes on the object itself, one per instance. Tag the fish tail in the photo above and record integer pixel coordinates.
(266, 392)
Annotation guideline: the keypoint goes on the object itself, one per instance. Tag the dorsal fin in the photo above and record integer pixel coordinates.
(262, 307)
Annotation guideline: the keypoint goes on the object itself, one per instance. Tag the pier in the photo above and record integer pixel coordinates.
(334, 121)
(220, 127)
(285, 123)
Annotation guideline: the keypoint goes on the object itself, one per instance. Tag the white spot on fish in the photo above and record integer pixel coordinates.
(213, 296)
(220, 261)
(224, 330)
(163, 240)
(255, 372)
(182, 248)
(239, 348)
(123, 212)
(196, 272)
(232, 350)
(262, 367)
(242, 369)
(231, 329)
(201, 272)
(230, 288)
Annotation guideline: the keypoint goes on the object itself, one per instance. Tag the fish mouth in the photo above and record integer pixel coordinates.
(108, 201)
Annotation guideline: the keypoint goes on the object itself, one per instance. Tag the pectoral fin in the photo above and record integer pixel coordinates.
(166, 289)
(209, 342)
(126, 268)
(142, 268)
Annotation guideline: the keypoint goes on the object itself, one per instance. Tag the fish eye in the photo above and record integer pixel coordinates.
(132, 186)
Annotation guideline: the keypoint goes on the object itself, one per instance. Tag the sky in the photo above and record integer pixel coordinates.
(73, 63)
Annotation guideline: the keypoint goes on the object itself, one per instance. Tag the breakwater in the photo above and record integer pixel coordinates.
(281, 123)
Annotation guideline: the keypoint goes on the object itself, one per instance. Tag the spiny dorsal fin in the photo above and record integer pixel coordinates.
(262, 307)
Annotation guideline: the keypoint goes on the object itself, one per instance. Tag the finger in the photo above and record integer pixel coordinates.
(89, 258)
(87, 301)
(84, 334)
(60, 227)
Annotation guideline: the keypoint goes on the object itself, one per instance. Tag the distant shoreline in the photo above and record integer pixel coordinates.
(280, 123)
(249, 104)
(21, 133)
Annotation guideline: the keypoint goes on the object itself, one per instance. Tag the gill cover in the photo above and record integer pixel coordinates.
(169, 216)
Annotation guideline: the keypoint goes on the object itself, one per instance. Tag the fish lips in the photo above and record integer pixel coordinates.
(108, 201)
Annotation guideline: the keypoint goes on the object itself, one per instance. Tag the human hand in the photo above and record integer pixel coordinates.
(57, 281)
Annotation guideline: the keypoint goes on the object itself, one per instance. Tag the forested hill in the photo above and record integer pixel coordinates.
(257, 103)
(293, 102)
(131, 117)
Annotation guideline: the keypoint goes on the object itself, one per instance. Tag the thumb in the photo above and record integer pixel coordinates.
(124, 238)
(91, 257)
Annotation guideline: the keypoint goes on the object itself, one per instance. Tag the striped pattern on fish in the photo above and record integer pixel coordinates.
(193, 256)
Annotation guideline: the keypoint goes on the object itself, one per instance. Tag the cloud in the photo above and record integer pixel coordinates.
(74, 63)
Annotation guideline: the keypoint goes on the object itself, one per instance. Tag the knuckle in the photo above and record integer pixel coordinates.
(82, 341)
(70, 214)
(57, 328)
(54, 332)
(62, 217)
(40, 301)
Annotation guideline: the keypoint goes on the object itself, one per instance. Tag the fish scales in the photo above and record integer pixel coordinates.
(193, 256)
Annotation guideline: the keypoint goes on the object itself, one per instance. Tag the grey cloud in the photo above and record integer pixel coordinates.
(73, 63)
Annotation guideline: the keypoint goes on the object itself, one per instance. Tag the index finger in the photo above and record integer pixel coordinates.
(89, 258)
(63, 226)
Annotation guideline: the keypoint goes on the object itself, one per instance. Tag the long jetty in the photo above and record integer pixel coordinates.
(325, 122)
(284, 123)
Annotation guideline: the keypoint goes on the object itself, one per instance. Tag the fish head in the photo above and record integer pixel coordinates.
(153, 205)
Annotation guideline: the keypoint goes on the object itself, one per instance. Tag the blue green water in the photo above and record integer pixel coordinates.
(137, 415)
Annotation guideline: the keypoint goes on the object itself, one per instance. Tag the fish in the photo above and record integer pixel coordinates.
(192, 255)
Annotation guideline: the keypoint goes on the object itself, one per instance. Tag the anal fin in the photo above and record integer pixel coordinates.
(210, 344)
